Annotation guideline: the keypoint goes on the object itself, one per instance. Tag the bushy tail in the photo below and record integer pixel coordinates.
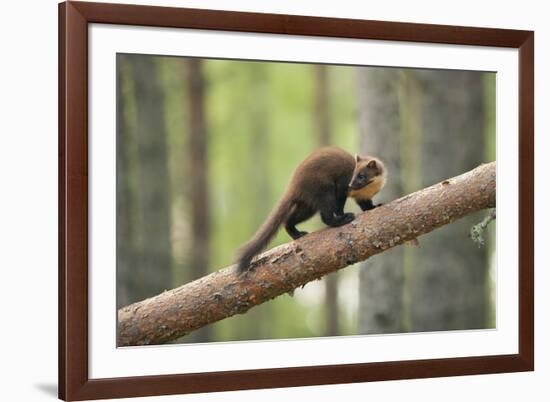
(264, 234)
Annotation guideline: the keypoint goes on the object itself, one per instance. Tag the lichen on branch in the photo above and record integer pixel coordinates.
(476, 233)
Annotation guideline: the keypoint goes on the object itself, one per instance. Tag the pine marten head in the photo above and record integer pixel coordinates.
(368, 177)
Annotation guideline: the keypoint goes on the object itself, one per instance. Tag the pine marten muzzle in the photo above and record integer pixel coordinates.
(321, 183)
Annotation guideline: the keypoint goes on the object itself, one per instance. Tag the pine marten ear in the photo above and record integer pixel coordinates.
(372, 164)
(358, 158)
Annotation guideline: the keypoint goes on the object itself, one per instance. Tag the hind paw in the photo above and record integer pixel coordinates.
(297, 235)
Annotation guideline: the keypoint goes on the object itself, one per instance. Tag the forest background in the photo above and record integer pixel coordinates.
(206, 147)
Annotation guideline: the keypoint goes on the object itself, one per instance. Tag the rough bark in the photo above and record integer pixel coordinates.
(284, 268)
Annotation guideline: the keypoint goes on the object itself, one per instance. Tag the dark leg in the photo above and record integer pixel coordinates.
(301, 213)
(329, 213)
(341, 197)
(367, 205)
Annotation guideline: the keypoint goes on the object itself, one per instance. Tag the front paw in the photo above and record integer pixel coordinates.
(298, 235)
(347, 218)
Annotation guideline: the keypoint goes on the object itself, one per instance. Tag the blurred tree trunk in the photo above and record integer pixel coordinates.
(381, 277)
(174, 88)
(323, 120)
(410, 141)
(151, 270)
(448, 289)
(124, 201)
(198, 176)
(323, 129)
(489, 106)
(258, 326)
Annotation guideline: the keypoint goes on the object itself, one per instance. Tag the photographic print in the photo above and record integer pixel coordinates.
(252, 200)
(232, 175)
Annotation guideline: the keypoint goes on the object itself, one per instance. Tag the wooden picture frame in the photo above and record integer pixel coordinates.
(74, 381)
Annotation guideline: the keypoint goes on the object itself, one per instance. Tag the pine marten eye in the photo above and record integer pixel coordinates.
(361, 176)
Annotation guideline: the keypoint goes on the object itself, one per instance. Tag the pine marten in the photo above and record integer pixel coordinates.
(322, 182)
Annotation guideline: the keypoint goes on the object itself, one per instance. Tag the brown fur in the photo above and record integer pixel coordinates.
(321, 182)
(375, 172)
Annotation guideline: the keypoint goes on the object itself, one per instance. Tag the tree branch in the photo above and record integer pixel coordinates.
(224, 293)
